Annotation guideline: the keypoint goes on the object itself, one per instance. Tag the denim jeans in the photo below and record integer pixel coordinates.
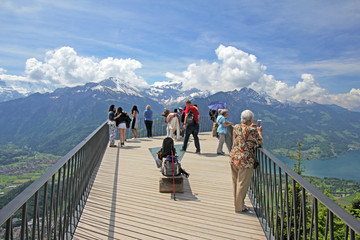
(194, 130)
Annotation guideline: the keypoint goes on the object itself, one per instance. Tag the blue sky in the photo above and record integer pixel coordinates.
(289, 38)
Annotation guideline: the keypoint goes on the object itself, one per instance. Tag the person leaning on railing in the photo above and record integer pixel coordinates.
(221, 120)
(246, 137)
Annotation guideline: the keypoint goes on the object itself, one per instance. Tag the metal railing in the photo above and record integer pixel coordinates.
(50, 207)
(289, 207)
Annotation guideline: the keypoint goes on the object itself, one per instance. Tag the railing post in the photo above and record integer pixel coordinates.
(8, 233)
(35, 215)
(304, 212)
(23, 222)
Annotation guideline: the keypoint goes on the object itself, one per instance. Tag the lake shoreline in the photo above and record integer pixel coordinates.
(342, 167)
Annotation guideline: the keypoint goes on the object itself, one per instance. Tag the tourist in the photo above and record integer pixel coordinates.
(134, 126)
(222, 129)
(191, 126)
(246, 137)
(112, 125)
(121, 118)
(148, 114)
(213, 116)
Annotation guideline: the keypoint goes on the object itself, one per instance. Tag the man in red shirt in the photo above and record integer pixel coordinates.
(191, 127)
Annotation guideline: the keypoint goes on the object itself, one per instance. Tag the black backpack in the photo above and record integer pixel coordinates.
(190, 119)
(168, 151)
(168, 147)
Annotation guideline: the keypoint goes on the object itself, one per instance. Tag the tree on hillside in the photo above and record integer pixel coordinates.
(299, 166)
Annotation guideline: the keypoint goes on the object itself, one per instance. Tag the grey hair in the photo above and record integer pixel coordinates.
(246, 116)
(224, 111)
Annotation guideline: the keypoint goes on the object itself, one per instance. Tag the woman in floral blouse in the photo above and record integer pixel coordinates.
(242, 157)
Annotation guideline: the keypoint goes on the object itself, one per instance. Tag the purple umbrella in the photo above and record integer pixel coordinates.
(217, 105)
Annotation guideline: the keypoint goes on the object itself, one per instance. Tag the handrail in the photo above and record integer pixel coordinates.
(288, 206)
(346, 217)
(294, 214)
(65, 185)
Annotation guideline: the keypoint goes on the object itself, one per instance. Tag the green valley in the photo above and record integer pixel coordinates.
(21, 165)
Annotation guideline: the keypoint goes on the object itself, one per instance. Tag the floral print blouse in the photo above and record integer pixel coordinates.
(245, 140)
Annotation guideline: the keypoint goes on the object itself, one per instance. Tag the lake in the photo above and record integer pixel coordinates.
(346, 166)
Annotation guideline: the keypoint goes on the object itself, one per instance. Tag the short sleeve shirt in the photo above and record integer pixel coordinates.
(246, 139)
(148, 115)
(195, 111)
(221, 120)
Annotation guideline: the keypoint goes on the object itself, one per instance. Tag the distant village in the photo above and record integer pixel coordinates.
(23, 171)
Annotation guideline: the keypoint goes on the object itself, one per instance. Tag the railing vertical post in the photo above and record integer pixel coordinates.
(44, 211)
(352, 234)
(35, 215)
(57, 203)
(71, 195)
(263, 190)
(62, 169)
(304, 212)
(288, 212)
(331, 225)
(294, 209)
(281, 205)
(51, 206)
(271, 206)
(276, 203)
(23, 222)
(267, 204)
(8, 233)
(316, 218)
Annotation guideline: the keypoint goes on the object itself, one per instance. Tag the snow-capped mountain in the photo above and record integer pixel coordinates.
(117, 85)
(8, 93)
(172, 92)
(56, 116)
(251, 96)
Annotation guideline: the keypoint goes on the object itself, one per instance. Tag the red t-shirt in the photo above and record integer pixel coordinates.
(195, 111)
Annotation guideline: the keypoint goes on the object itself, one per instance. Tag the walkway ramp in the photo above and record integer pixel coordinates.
(125, 202)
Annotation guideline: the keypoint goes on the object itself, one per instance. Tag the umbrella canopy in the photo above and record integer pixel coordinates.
(217, 105)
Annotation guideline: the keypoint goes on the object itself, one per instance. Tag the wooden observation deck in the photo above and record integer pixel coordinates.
(125, 203)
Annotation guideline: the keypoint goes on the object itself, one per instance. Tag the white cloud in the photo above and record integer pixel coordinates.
(236, 69)
(63, 67)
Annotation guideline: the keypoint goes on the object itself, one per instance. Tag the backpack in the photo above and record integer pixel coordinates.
(127, 121)
(167, 147)
(167, 168)
(190, 119)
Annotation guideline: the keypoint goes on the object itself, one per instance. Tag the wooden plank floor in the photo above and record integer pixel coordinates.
(125, 202)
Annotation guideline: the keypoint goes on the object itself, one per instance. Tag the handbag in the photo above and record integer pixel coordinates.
(111, 123)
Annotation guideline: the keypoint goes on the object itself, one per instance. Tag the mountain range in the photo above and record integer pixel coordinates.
(55, 122)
